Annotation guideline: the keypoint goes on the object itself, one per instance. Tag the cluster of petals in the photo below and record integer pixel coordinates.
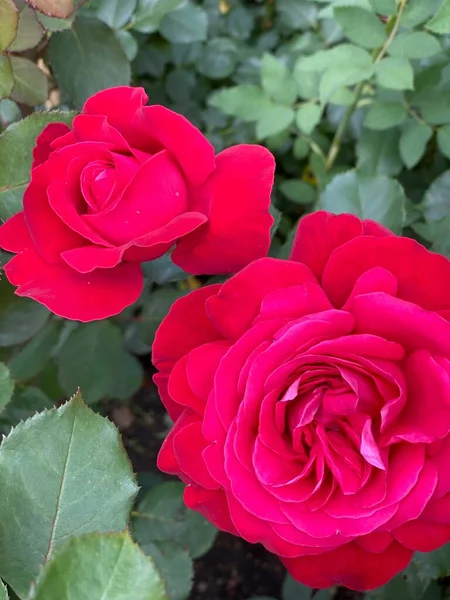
(124, 185)
(311, 402)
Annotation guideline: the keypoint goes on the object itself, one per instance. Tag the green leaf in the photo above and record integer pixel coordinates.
(29, 31)
(54, 8)
(128, 42)
(307, 117)
(436, 202)
(360, 26)
(128, 377)
(307, 81)
(334, 79)
(150, 13)
(54, 23)
(435, 107)
(32, 359)
(443, 140)
(185, 25)
(413, 143)
(300, 149)
(113, 567)
(162, 271)
(418, 11)
(294, 590)
(218, 59)
(378, 153)
(30, 83)
(407, 585)
(414, 45)
(240, 23)
(378, 198)
(342, 54)
(20, 318)
(434, 564)
(395, 73)
(440, 23)
(79, 480)
(87, 58)
(89, 359)
(6, 76)
(175, 565)
(273, 120)
(116, 13)
(277, 81)
(384, 115)
(9, 18)
(298, 191)
(297, 14)
(3, 592)
(6, 386)
(24, 404)
(384, 7)
(246, 102)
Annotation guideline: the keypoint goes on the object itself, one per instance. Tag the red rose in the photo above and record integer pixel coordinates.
(123, 186)
(311, 400)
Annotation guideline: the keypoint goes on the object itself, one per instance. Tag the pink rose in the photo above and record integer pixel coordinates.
(122, 186)
(311, 401)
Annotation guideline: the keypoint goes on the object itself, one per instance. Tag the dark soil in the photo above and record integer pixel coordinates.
(233, 569)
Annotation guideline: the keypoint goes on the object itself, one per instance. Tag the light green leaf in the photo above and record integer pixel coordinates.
(378, 153)
(384, 115)
(301, 148)
(9, 18)
(128, 42)
(29, 31)
(79, 480)
(273, 120)
(89, 359)
(378, 198)
(247, 102)
(30, 83)
(443, 140)
(87, 58)
(6, 386)
(395, 73)
(298, 191)
(307, 117)
(384, 7)
(277, 81)
(418, 11)
(360, 26)
(436, 202)
(175, 565)
(150, 13)
(54, 23)
(342, 54)
(32, 359)
(435, 107)
(414, 45)
(307, 81)
(116, 13)
(413, 143)
(3, 592)
(297, 14)
(440, 23)
(185, 25)
(334, 79)
(6, 76)
(218, 59)
(113, 567)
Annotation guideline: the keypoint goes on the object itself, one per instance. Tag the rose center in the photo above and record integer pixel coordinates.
(97, 184)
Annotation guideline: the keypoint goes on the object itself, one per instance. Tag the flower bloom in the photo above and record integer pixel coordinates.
(311, 402)
(122, 186)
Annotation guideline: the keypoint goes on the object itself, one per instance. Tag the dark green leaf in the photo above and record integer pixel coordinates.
(297, 14)
(185, 25)
(150, 13)
(6, 386)
(342, 54)
(113, 567)
(87, 58)
(163, 270)
(378, 198)
(9, 18)
(128, 42)
(414, 44)
(440, 23)
(298, 191)
(6, 76)
(247, 102)
(34, 356)
(436, 202)
(443, 139)
(395, 73)
(361, 26)
(384, 115)
(89, 359)
(273, 120)
(128, 377)
(384, 7)
(294, 590)
(79, 480)
(240, 23)
(218, 59)
(413, 143)
(24, 404)
(277, 81)
(29, 31)
(116, 13)
(378, 153)
(30, 83)
(175, 565)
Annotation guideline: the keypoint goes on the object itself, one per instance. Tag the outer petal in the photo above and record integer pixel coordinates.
(350, 566)
(43, 148)
(69, 294)
(236, 199)
(14, 234)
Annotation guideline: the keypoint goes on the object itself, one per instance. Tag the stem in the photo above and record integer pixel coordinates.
(340, 131)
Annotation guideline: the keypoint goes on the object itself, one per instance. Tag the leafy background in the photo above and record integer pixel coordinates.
(352, 97)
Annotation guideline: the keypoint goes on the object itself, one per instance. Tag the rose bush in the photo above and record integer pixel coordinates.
(122, 186)
(311, 402)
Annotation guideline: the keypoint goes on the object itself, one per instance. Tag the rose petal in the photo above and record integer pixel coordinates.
(14, 234)
(43, 148)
